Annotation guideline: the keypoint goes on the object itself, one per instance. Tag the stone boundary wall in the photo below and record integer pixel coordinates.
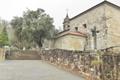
(99, 65)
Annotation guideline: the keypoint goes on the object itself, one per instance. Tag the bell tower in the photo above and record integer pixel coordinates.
(66, 22)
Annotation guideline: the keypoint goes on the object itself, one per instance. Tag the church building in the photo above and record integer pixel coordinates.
(95, 28)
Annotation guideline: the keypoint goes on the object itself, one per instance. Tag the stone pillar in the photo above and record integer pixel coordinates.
(2, 54)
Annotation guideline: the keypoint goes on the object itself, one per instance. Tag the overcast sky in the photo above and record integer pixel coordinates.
(55, 8)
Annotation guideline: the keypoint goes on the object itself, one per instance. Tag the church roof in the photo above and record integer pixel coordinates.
(104, 2)
(75, 33)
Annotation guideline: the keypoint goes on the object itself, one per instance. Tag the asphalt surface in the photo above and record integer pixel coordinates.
(32, 70)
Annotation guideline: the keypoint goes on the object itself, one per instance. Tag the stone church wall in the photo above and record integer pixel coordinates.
(113, 25)
(92, 18)
(70, 42)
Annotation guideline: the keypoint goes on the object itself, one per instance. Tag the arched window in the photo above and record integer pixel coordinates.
(68, 27)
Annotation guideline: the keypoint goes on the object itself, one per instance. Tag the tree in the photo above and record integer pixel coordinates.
(33, 27)
(3, 35)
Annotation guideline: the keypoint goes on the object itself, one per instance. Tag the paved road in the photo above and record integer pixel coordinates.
(32, 70)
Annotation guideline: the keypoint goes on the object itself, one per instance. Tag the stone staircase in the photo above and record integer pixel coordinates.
(27, 55)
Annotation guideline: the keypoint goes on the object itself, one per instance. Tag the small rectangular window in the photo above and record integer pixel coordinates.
(84, 25)
(76, 28)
